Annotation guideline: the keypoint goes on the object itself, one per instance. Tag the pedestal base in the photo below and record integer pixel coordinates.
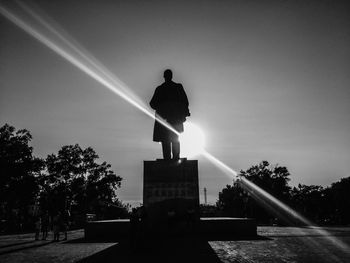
(171, 208)
(210, 228)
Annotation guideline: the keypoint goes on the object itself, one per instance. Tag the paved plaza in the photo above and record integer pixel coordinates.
(273, 244)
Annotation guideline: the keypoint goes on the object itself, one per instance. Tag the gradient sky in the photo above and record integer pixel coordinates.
(266, 80)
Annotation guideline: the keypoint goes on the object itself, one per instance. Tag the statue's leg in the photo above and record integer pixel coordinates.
(166, 150)
(176, 150)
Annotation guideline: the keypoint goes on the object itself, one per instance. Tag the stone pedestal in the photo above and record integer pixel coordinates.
(171, 207)
(170, 190)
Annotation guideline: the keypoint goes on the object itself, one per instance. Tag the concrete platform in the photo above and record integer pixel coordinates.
(107, 229)
(228, 226)
(273, 244)
(212, 226)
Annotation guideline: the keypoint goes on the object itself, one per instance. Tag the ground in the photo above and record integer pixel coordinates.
(274, 244)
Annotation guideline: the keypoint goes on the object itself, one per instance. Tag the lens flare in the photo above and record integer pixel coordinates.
(192, 140)
(60, 43)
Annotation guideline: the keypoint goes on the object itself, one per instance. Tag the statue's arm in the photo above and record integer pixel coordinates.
(184, 96)
(155, 100)
(184, 102)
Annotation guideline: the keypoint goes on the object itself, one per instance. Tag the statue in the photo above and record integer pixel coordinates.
(171, 104)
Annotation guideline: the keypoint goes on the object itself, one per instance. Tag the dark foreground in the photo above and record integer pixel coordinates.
(273, 244)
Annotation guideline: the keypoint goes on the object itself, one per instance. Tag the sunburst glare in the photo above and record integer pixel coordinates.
(192, 140)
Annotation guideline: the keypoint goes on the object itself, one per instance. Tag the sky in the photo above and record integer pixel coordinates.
(266, 80)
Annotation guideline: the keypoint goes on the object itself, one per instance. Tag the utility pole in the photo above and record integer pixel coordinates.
(205, 195)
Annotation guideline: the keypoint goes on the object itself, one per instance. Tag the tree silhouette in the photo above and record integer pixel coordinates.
(341, 196)
(234, 201)
(308, 200)
(76, 181)
(19, 172)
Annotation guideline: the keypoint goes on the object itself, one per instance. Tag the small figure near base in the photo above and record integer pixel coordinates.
(171, 104)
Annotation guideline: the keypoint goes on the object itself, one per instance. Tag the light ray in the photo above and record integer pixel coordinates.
(81, 51)
(271, 202)
(84, 66)
(224, 167)
(89, 65)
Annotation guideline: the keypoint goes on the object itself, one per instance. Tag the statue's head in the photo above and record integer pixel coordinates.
(168, 75)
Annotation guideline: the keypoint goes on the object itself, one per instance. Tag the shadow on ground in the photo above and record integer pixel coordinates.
(33, 245)
(160, 249)
(157, 250)
(16, 244)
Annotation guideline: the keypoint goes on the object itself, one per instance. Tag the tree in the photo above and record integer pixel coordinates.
(19, 172)
(341, 200)
(209, 210)
(75, 180)
(232, 200)
(328, 205)
(272, 179)
(309, 200)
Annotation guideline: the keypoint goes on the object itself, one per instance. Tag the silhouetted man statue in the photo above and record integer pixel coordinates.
(170, 103)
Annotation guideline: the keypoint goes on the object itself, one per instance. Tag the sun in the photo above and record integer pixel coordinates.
(192, 140)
